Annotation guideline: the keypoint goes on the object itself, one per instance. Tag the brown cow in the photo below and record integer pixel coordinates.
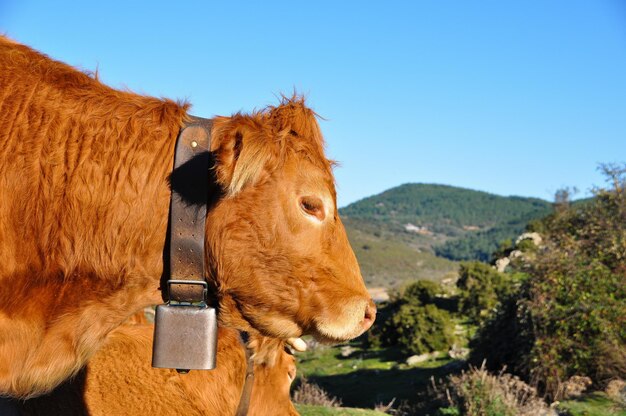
(83, 216)
(118, 380)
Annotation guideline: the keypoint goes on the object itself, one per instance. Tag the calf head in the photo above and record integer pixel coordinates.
(277, 250)
(274, 371)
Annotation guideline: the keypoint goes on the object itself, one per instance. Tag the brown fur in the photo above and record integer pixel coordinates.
(84, 201)
(119, 381)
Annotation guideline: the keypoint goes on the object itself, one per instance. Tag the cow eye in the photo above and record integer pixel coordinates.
(313, 206)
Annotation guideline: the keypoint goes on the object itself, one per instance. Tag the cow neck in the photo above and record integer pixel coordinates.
(246, 393)
(189, 181)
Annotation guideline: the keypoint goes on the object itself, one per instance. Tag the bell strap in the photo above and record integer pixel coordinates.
(189, 183)
(246, 393)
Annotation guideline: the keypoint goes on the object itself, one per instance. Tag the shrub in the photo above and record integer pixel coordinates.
(505, 338)
(413, 322)
(576, 309)
(527, 246)
(312, 394)
(481, 287)
(479, 393)
(422, 292)
(567, 319)
(422, 329)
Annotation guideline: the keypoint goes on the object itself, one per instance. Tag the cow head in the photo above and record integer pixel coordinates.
(274, 371)
(277, 250)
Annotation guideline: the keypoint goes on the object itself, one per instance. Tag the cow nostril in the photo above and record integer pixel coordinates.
(370, 315)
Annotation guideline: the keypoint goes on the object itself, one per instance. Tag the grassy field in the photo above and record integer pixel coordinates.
(388, 261)
(595, 404)
(306, 410)
(369, 377)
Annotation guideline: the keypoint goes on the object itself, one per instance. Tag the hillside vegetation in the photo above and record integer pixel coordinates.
(567, 317)
(420, 231)
(445, 209)
(389, 262)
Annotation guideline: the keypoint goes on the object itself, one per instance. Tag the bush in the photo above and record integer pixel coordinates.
(505, 338)
(481, 287)
(567, 319)
(422, 329)
(527, 246)
(479, 393)
(575, 310)
(413, 322)
(312, 394)
(422, 292)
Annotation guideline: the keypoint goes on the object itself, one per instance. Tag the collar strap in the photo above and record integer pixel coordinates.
(246, 393)
(189, 183)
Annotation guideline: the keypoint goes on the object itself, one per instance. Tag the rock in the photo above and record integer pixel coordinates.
(502, 263)
(412, 228)
(416, 359)
(535, 237)
(458, 353)
(347, 351)
(448, 281)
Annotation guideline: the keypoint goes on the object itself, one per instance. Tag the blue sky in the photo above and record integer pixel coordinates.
(513, 98)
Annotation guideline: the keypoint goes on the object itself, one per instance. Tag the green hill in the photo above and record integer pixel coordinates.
(417, 231)
(445, 209)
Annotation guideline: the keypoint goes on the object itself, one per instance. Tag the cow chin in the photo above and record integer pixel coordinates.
(332, 334)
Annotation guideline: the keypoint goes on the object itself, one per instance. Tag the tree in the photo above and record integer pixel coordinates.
(422, 329)
(481, 287)
(568, 317)
(413, 322)
(422, 292)
(563, 198)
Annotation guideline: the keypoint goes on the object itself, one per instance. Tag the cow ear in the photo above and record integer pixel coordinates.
(240, 150)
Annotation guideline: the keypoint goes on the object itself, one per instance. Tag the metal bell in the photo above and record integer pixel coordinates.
(185, 337)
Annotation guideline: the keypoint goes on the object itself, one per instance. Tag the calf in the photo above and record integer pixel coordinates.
(119, 381)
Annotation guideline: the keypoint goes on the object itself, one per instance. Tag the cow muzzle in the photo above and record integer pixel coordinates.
(348, 322)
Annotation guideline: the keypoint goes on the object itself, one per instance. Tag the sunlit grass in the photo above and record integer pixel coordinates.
(368, 377)
(306, 410)
(595, 404)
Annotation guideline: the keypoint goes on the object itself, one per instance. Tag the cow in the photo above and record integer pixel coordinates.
(84, 199)
(119, 381)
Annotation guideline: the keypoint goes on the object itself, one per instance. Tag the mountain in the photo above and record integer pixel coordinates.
(421, 230)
